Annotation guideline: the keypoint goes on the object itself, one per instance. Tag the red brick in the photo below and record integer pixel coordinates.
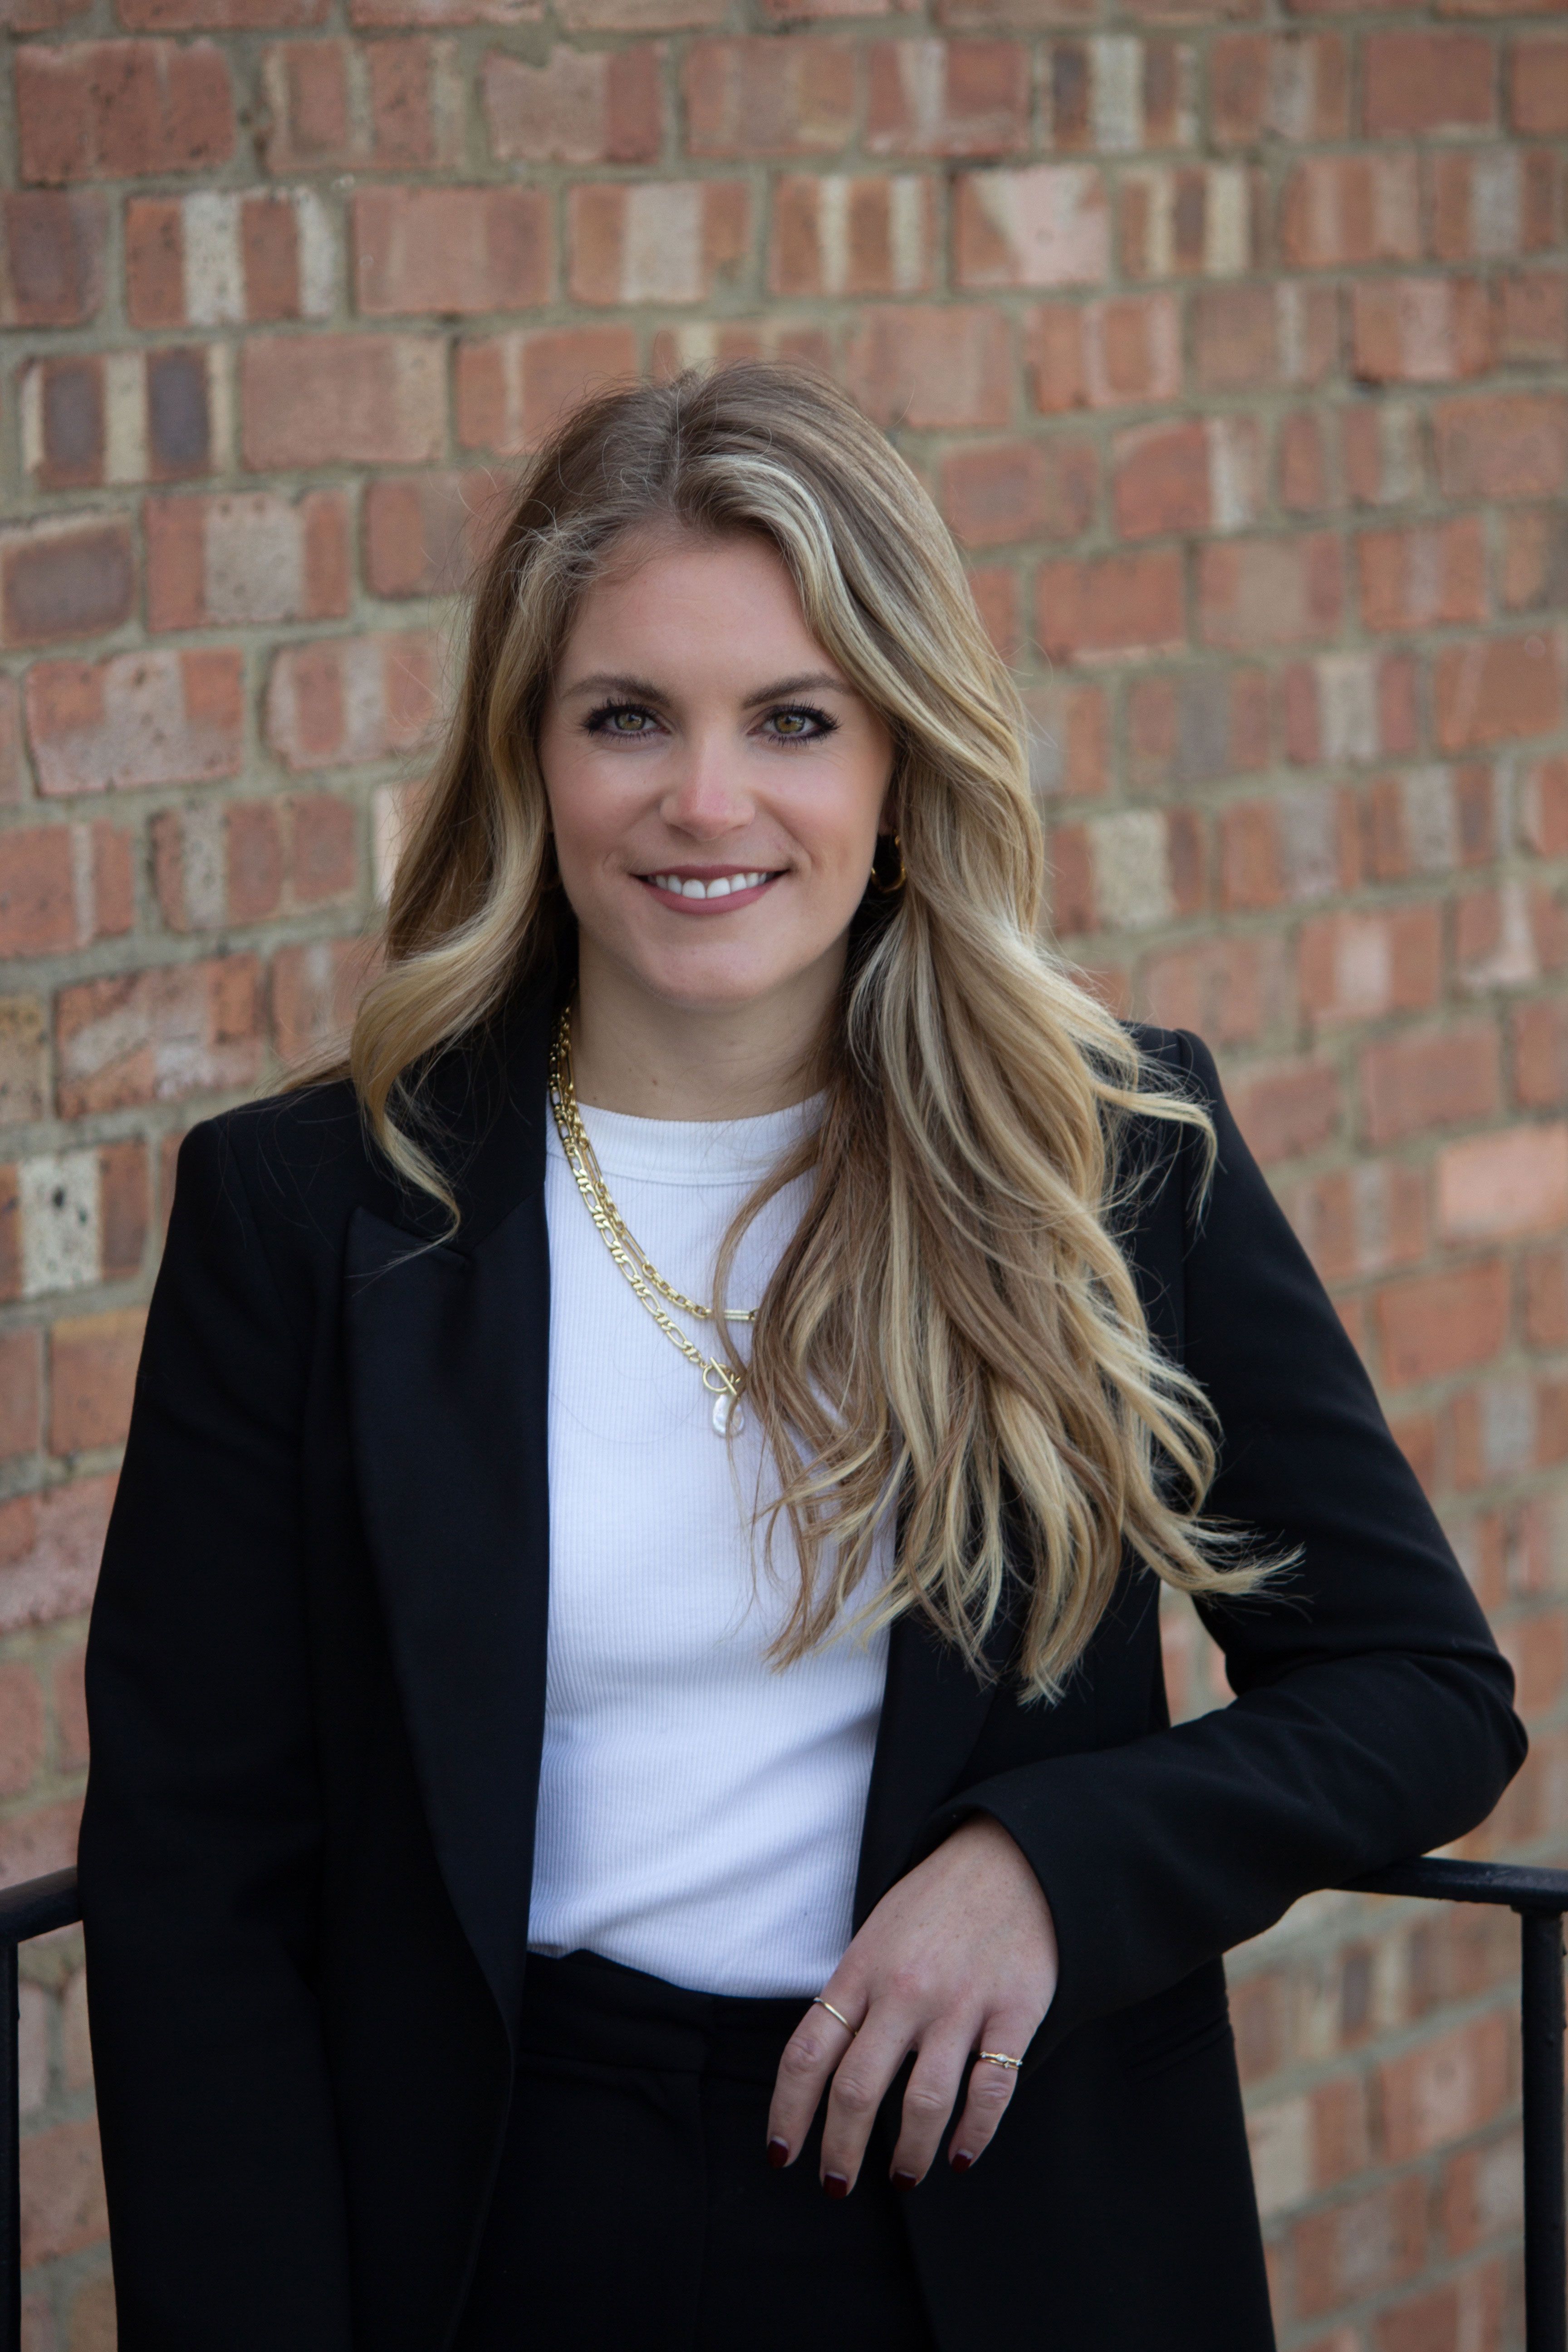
(51, 258)
(68, 577)
(511, 388)
(1068, 741)
(158, 1035)
(1189, 728)
(1190, 220)
(1133, 870)
(1340, 210)
(451, 249)
(221, 16)
(70, 1706)
(1426, 81)
(333, 400)
(1293, 86)
(1415, 1085)
(1464, 2311)
(1361, 967)
(1111, 605)
(1429, 821)
(932, 369)
(1287, 1110)
(1541, 1055)
(1189, 477)
(834, 235)
(101, 419)
(1538, 85)
(64, 886)
(314, 991)
(1535, 560)
(947, 98)
(23, 1062)
(21, 1390)
(115, 109)
(1120, 95)
(422, 533)
(63, 2207)
(1545, 1298)
(229, 561)
(1488, 202)
(1506, 935)
(1101, 354)
(22, 1727)
(387, 106)
(1247, 337)
(1269, 592)
(1382, 447)
(1363, 1221)
(51, 1545)
(1495, 688)
(1514, 1181)
(1349, 707)
(1421, 330)
(222, 257)
(598, 108)
(994, 588)
(1533, 318)
(1020, 489)
(1047, 225)
(1229, 990)
(249, 861)
(1021, 15)
(92, 1372)
(1543, 816)
(1304, 465)
(1370, 2242)
(655, 241)
(1295, 846)
(140, 719)
(1425, 578)
(1508, 446)
(377, 15)
(762, 97)
(342, 701)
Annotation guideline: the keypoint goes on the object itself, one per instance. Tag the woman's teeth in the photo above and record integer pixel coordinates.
(719, 888)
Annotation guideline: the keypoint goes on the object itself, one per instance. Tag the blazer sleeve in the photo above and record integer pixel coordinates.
(1372, 1719)
(201, 1840)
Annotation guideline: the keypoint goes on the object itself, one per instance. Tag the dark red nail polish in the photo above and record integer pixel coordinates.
(906, 2180)
(836, 2184)
(778, 2154)
(960, 2159)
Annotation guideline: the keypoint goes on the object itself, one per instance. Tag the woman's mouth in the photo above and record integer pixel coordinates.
(694, 893)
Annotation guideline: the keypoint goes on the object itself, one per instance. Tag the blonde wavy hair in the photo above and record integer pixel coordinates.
(954, 1329)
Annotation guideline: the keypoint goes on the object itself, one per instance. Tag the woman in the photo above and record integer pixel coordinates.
(729, 1200)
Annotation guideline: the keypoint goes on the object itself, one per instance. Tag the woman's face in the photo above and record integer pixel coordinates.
(715, 784)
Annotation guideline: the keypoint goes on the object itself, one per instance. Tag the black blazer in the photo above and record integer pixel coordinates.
(316, 1687)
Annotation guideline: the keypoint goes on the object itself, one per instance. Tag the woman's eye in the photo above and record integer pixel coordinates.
(799, 726)
(627, 723)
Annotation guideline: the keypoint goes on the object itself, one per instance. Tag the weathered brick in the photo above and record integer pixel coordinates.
(1102, 354)
(947, 98)
(63, 2206)
(1422, 330)
(511, 388)
(1068, 741)
(372, 16)
(1417, 1083)
(314, 991)
(1369, 2242)
(343, 701)
(1345, 210)
(1229, 990)
(932, 369)
(1471, 2309)
(1426, 81)
(761, 97)
(1544, 809)
(381, 106)
(1430, 819)
(1287, 1109)
(1363, 1221)
(1538, 84)
(1111, 605)
(836, 235)
(139, 719)
(1544, 1305)
(1269, 592)
(1532, 322)
(21, 1390)
(451, 249)
(1495, 689)
(63, 886)
(599, 108)
(1198, 475)
(1190, 220)
(1381, 448)
(1361, 967)
(74, 576)
(1507, 445)
(1494, 1187)
(51, 258)
(108, 418)
(422, 534)
(1249, 337)
(229, 561)
(1135, 870)
(249, 861)
(1198, 725)
(158, 1035)
(1427, 577)
(1048, 225)
(1349, 707)
(50, 1543)
(1020, 489)
(1540, 1043)
(221, 16)
(24, 1061)
(1118, 95)
(1293, 86)
(1297, 846)
(333, 400)
(1535, 560)
(223, 260)
(116, 110)
(1492, 202)
(92, 1372)
(71, 1220)
(655, 241)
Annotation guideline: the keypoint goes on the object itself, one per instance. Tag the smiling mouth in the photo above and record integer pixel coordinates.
(706, 888)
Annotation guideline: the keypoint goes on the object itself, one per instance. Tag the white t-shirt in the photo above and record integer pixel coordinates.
(700, 1808)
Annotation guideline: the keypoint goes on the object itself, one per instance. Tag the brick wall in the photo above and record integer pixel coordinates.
(1233, 338)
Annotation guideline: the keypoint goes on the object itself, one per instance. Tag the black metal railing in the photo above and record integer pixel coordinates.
(1540, 1897)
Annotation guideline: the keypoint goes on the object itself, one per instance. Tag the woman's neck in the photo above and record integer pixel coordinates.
(634, 1052)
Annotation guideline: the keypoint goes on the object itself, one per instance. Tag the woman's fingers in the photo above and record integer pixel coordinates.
(810, 2055)
(934, 2085)
(859, 2087)
(991, 2088)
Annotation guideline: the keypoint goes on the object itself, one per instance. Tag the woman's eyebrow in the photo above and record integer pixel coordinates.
(639, 689)
(644, 690)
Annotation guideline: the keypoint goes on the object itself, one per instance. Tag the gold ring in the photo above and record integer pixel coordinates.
(817, 2003)
(996, 2058)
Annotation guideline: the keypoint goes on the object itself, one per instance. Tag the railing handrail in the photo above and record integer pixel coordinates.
(37, 1907)
(1437, 1879)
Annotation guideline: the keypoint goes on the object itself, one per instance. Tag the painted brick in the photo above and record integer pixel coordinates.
(761, 97)
(932, 369)
(1246, 338)
(51, 258)
(136, 720)
(1347, 210)
(70, 577)
(1422, 330)
(1111, 605)
(1117, 95)
(248, 558)
(396, 105)
(223, 260)
(1418, 1083)
(836, 235)
(334, 400)
(1020, 489)
(1429, 577)
(1195, 220)
(343, 701)
(1495, 688)
(1507, 445)
(1426, 81)
(1494, 1187)
(511, 388)
(947, 98)
(1293, 86)
(1204, 474)
(116, 110)
(451, 249)
(63, 886)
(1047, 225)
(92, 1372)
(108, 418)
(158, 1035)
(599, 108)
(1269, 592)
(423, 534)
(1538, 84)
(1104, 354)
(657, 241)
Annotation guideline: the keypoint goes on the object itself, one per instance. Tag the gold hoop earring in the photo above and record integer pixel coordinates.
(889, 889)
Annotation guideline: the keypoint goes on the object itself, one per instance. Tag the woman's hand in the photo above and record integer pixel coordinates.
(960, 1955)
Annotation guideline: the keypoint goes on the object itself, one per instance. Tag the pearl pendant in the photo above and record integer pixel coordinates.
(727, 1414)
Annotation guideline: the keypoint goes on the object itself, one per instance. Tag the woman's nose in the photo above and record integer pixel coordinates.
(706, 794)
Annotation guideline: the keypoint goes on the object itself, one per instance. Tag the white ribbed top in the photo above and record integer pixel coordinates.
(700, 1809)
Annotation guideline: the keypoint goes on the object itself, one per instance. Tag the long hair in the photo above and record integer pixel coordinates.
(952, 1331)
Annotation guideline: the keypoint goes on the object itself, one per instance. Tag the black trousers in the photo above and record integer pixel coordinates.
(635, 2210)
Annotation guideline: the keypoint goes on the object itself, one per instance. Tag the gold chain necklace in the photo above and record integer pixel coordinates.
(623, 1245)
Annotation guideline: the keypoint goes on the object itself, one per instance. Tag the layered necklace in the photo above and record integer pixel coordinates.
(628, 1253)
